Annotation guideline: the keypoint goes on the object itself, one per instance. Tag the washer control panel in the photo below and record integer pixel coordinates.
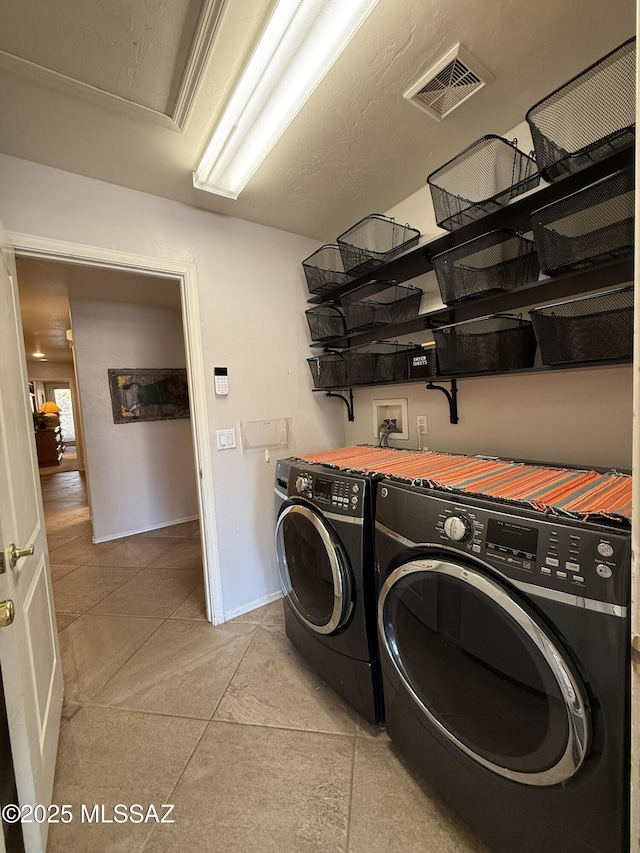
(331, 492)
(545, 553)
(588, 560)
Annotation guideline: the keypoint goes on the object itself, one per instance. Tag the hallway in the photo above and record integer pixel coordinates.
(228, 722)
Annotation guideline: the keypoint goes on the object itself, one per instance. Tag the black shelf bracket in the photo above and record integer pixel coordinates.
(348, 403)
(452, 397)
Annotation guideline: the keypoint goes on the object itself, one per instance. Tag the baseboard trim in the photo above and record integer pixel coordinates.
(144, 529)
(253, 605)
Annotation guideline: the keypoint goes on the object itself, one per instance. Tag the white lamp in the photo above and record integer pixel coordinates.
(301, 41)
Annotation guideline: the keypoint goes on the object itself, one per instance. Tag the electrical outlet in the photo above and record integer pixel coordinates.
(422, 424)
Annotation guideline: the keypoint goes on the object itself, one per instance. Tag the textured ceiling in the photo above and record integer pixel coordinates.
(135, 50)
(45, 287)
(355, 148)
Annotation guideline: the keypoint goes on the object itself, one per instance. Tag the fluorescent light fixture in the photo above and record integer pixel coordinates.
(300, 43)
(37, 354)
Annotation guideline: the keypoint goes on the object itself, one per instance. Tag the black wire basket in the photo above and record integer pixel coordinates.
(493, 263)
(325, 322)
(384, 361)
(369, 307)
(500, 342)
(328, 371)
(374, 241)
(422, 362)
(324, 270)
(482, 178)
(588, 118)
(587, 227)
(591, 328)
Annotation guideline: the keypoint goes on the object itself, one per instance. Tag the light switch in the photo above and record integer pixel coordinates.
(226, 439)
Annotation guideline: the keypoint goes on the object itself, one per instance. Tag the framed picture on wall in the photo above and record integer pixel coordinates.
(148, 394)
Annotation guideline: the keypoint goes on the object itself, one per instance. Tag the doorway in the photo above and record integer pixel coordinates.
(60, 394)
(184, 274)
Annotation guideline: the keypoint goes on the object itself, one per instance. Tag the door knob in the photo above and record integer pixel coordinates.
(16, 554)
(7, 613)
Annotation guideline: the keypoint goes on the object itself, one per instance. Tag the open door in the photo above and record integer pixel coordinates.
(29, 653)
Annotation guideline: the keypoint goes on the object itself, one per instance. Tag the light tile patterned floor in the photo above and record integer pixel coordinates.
(227, 723)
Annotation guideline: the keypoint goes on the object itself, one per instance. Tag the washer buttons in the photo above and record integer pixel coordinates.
(356, 487)
(605, 550)
(561, 575)
(603, 571)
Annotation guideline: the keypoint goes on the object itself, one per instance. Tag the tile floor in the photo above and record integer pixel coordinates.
(227, 723)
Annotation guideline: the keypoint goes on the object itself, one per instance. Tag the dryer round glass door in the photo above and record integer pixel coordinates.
(484, 670)
(314, 569)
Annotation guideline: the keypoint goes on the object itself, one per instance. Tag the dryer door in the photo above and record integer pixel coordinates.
(484, 670)
(314, 570)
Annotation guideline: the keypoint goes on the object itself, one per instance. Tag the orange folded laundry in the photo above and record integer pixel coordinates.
(550, 489)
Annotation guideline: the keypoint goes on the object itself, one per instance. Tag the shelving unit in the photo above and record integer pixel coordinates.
(559, 287)
(434, 382)
(513, 216)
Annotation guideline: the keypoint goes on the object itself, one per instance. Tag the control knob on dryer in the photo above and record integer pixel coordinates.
(303, 483)
(457, 528)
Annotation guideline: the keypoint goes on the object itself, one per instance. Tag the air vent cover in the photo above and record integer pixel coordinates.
(448, 83)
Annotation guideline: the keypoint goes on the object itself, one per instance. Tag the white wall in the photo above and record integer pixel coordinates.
(580, 417)
(141, 476)
(252, 302)
(50, 370)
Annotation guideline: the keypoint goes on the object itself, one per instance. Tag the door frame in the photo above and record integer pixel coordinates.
(70, 384)
(44, 248)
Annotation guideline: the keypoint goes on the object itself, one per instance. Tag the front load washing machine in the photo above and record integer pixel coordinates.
(504, 644)
(324, 550)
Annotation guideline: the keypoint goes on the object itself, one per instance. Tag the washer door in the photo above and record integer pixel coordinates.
(314, 569)
(485, 671)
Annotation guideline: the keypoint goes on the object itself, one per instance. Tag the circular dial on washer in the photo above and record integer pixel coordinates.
(457, 528)
(303, 483)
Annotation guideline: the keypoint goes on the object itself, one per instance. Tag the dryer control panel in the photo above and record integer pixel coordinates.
(330, 492)
(586, 560)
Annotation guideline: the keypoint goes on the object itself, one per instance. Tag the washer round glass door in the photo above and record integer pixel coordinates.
(314, 569)
(485, 670)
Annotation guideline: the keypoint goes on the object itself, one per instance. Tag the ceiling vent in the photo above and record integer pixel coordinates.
(448, 83)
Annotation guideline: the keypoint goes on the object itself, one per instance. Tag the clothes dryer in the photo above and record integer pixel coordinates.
(504, 643)
(324, 551)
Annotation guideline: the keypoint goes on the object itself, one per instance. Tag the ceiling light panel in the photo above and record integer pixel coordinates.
(301, 41)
